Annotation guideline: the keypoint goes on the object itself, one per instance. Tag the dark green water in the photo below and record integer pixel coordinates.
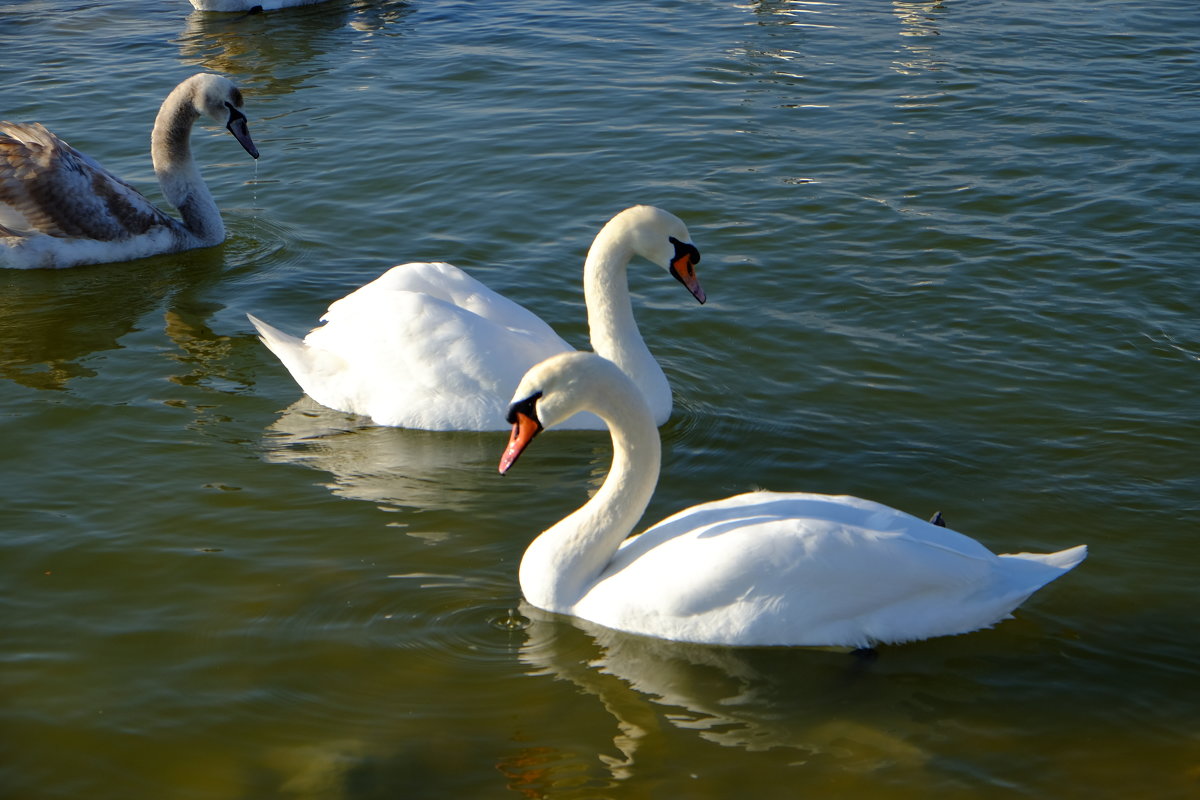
(950, 254)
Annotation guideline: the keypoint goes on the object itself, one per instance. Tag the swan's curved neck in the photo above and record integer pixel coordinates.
(566, 559)
(613, 330)
(178, 175)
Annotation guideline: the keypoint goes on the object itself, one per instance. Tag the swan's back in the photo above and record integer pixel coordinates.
(808, 569)
(423, 346)
(51, 193)
(446, 282)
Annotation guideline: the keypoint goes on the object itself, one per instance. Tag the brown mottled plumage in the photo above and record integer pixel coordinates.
(61, 192)
(60, 208)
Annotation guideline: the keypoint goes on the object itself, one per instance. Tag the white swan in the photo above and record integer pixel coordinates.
(59, 208)
(762, 568)
(249, 5)
(427, 346)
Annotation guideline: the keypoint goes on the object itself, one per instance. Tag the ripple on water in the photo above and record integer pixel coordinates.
(438, 617)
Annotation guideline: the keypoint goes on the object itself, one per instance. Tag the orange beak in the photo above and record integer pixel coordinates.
(524, 429)
(683, 267)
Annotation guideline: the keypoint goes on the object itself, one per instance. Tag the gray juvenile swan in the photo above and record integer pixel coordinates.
(60, 208)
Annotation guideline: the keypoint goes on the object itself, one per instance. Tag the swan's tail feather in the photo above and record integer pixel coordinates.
(1063, 560)
(307, 365)
(1022, 574)
(276, 340)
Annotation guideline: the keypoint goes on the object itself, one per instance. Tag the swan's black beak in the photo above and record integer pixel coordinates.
(683, 267)
(523, 416)
(237, 126)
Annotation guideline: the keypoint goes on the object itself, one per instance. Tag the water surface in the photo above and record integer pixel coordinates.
(950, 254)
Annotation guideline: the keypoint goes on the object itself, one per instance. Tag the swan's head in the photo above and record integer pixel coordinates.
(559, 387)
(216, 97)
(662, 238)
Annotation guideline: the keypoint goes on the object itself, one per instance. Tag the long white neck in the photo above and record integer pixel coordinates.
(171, 151)
(565, 560)
(613, 329)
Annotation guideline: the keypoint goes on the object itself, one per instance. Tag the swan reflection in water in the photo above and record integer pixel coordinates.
(385, 466)
(823, 703)
(54, 324)
(278, 52)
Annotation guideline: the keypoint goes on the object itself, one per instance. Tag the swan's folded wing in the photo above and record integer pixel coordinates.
(49, 187)
(418, 361)
(446, 282)
(770, 568)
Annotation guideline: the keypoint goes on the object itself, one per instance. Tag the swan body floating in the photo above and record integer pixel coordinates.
(59, 208)
(250, 5)
(758, 569)
(427, 346)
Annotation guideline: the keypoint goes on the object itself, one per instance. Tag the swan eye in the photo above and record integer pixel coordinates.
(528, 407)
